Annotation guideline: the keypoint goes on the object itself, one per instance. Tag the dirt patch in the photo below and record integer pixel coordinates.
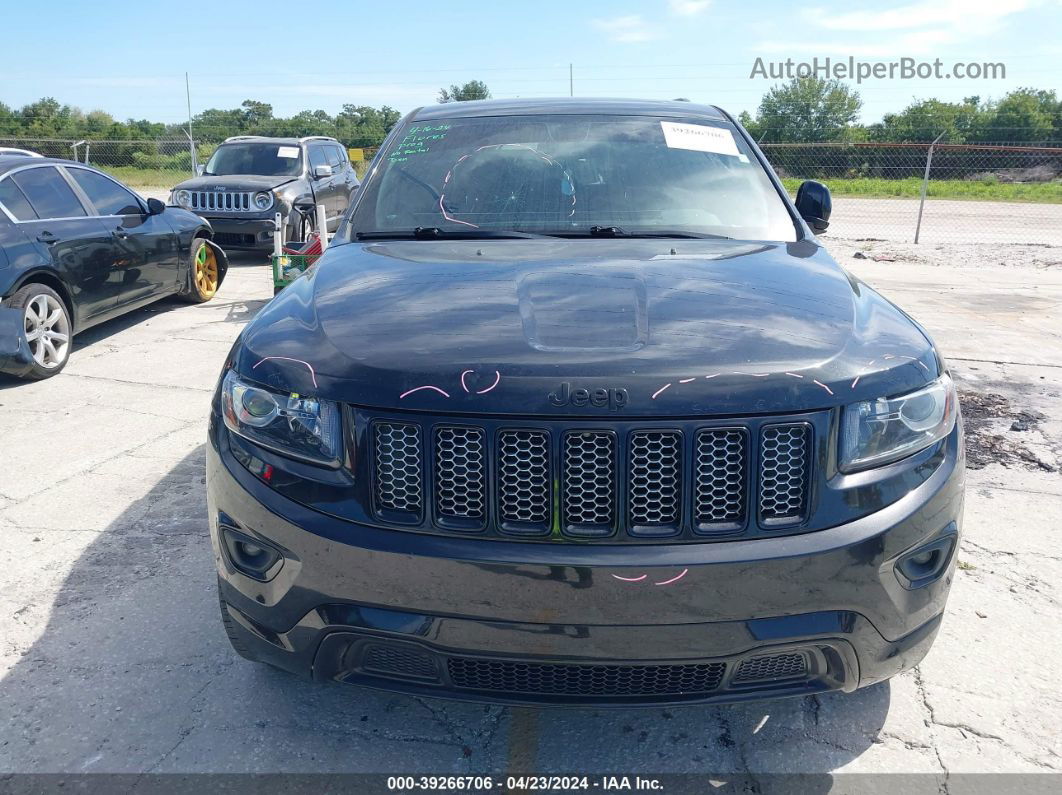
(994, 431)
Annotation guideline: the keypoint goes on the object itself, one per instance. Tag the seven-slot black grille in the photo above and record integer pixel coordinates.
(593, 483)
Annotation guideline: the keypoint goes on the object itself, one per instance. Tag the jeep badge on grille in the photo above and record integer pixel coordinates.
(614, 399)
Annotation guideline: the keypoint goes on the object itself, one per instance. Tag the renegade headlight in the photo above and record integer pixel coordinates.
(302, 427)
(876, 432)
(263, 200)
(182, 197)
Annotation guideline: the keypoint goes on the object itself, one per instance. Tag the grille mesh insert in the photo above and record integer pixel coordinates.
(460, 475)
(654, 478)
(783, 472)
(719, 478)
(397, 661)
(523, 477)
(775, 666)
(399, 485)
(589, 481)
(584, 680)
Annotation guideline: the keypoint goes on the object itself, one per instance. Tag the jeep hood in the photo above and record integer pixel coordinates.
(687, 327)
(234, 182)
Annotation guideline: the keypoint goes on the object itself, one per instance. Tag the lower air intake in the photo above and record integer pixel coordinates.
(775, 666)
(504, 676)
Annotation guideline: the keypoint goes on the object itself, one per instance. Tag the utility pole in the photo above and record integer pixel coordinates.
(571, 82)
(191, 141)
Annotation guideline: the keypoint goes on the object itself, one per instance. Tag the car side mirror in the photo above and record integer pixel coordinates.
(155, 207)
(200, 169)
(320, 172)
(814, 204)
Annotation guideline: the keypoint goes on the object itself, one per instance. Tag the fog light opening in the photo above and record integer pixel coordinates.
(926, 564)
(251, 556)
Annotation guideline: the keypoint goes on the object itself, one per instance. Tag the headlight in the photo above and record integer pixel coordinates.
(301, 427)
(876, 432)
(182, 197)
(263, 200)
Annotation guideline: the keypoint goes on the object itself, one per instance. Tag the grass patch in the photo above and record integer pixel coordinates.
(146, 177)
(911, 188)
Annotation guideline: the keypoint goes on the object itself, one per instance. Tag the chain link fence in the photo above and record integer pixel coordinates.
(992, 193)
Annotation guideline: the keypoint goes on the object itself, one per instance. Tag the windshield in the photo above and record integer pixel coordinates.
(572, 175)
(260, 159)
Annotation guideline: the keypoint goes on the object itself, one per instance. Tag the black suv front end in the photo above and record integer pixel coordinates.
(575, 468)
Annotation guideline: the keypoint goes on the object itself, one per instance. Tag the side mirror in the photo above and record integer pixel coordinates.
(320, 172)
(155, 207)
(814, 204)
(200, 169)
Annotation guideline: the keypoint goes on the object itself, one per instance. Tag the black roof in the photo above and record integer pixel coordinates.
(570, 105)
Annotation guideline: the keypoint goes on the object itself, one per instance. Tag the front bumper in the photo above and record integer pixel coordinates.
(541, 623)
(248, 234)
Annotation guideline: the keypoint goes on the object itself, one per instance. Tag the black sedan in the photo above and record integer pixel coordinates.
(77, 248)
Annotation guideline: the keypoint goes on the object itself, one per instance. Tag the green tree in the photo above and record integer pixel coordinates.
(925, 119)
(808, 109)
(473, 89)
(1026, 114)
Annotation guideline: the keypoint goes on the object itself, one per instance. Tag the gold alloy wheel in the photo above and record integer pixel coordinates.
(206, 271)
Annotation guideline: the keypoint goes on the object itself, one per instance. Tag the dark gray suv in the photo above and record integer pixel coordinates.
(250, 178)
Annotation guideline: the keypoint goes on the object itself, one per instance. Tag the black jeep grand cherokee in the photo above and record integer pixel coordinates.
(578, 410)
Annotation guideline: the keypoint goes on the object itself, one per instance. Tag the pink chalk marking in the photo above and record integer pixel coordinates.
(449, 217)
(888, 356)
(921, 364)
(754, 375)
(426, 386)
(497, 380)
(673, 579)
(856, 381)
(657, 392)
(795, 375)
(713, 375)
(630, 579)
(686, 380)
(830, 391)
(289, 359)
(463, 374)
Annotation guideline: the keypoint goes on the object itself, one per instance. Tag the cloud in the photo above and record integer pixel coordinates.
(689, 8)
(919, 28)
(950, 14)
(627, 29)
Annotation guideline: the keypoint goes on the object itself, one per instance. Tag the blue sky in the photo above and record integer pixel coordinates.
(130, 59)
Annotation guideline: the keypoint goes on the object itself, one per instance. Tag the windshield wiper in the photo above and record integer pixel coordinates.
(435, 233)
(618, 231)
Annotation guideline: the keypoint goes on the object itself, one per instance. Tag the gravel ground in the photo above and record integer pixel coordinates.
(113, 658)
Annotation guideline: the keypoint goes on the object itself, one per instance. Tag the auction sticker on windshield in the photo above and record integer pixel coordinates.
(289, 151)
(699, 138)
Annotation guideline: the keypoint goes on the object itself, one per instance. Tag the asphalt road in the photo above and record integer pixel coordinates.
(113, 658)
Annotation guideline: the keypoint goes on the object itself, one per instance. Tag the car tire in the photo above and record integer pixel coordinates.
(232, 631)
(54, 327)
(205, 273)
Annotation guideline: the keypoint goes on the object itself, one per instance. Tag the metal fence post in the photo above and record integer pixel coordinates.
(925, 186)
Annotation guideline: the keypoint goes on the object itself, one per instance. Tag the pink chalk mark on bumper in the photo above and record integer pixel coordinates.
(673, 579)
(630, 579)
